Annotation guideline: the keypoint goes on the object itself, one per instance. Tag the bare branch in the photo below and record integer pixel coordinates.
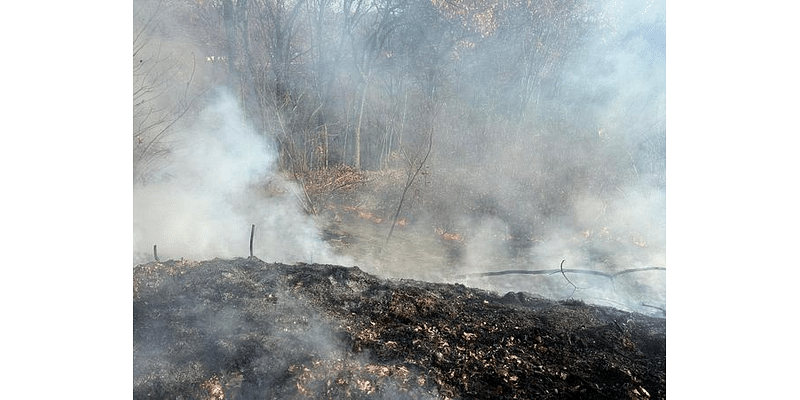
(409, 182)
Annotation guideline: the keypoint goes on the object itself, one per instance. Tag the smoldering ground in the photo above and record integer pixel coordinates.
(240, 328)
(246, 329)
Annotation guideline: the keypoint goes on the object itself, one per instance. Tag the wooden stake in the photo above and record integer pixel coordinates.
(252, 230)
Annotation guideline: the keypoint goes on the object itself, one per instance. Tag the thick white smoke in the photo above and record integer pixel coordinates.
(204, 202)
(613, 93)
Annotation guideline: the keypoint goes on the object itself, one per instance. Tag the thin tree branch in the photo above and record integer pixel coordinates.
(409, 182)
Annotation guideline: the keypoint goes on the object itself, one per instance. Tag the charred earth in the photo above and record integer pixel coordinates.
(245, 329)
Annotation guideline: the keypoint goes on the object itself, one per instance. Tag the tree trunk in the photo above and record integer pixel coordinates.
(228, 19)
(357, 161)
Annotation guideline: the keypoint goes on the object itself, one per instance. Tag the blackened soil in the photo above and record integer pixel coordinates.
(245, 329)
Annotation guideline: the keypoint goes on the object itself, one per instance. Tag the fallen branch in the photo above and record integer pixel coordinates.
(657, 308)
(628, 271)
(561, 270)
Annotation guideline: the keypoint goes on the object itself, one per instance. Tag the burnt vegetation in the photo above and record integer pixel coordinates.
(246, 329)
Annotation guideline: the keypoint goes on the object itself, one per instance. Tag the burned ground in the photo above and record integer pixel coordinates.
(246, 329)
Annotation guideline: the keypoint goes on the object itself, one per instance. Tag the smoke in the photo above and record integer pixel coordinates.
(581, 177)
(221, 179)
(588, 183)
(574, 169)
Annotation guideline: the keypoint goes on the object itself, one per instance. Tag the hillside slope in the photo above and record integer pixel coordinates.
(246, 329)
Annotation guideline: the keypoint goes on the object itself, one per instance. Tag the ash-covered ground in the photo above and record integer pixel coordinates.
(246, 329)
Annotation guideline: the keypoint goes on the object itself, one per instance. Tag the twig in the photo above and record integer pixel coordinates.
(163, 131)
(155, 253)
(574, 288)
(304, 201)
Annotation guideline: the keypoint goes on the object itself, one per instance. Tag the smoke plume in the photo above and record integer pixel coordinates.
(202, 205)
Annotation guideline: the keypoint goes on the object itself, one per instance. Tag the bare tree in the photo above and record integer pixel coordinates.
(157, 103)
